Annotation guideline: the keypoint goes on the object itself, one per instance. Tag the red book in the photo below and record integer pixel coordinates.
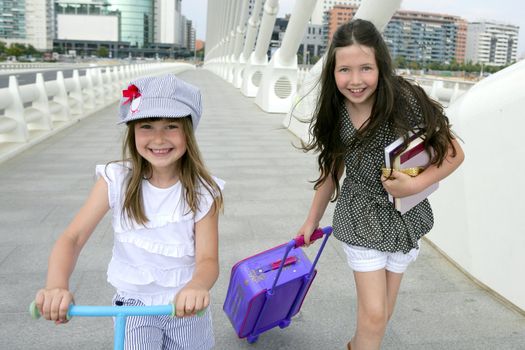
(414, 156)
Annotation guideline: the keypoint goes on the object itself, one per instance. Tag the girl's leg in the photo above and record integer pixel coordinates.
(393, 282)
(372, 309)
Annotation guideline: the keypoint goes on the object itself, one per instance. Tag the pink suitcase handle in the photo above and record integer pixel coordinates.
(318, 233)
(289, 260)
(298, 242)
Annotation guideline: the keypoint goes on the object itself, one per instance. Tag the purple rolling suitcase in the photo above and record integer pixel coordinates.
(268, 289)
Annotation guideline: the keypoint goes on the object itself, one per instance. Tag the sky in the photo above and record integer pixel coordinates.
(506, 11)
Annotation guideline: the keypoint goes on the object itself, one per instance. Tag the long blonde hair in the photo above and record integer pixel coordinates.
(192, 174)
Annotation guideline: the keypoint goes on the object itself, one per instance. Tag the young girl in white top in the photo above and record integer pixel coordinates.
(165, 208)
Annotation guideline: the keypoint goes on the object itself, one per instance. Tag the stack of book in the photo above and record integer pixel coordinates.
(411, 160)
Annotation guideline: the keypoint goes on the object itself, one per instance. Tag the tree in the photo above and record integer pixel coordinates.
(400, 62)
(102, 51)
(16, 50)
(30, 50)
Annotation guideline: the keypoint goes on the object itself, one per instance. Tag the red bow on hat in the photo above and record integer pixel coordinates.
(131, 93)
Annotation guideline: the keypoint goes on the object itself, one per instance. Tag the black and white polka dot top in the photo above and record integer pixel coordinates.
(363, 215)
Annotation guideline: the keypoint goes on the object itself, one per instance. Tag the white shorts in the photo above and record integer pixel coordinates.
(361, 259)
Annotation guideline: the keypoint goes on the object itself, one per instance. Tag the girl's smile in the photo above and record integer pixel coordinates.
(161, 151)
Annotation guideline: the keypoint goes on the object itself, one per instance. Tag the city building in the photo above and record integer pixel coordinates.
(136, 20)
(334, 17)
(28, 22)
(12, 20)
(322, 6)
(98, 22)
(313, 43)
(168, 22)
(189, 35)
(127, 28)
(426, 37)
(492, 43)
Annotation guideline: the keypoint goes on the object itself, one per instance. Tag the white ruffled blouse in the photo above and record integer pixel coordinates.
(152, 263)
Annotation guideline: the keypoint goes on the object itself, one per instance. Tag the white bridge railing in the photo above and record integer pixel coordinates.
(33, 112)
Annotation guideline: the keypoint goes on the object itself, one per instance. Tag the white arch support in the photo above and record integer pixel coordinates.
(480, 209)
(254, 68)
(279, 81)
(249, 42)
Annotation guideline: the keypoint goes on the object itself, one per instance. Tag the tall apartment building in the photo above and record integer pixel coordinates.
(492, 43)
(27, 22)
(12, 20)
(168, 22)
(190, 36)
(336, 16)
(322, 6)
(426, 37)
(461, 41)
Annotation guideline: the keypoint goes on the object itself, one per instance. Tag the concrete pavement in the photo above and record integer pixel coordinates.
(267, 197)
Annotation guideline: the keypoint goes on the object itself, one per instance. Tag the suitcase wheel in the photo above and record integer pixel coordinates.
(252, 338)
(284, 323)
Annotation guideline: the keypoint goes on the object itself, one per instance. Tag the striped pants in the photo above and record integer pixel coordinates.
(166, 332)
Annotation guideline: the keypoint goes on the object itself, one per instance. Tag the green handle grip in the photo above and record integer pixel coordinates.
(35, 314)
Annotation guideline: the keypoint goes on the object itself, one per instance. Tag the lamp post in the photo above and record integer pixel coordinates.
(195, 46)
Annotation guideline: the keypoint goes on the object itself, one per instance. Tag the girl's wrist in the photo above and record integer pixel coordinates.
(312, 222)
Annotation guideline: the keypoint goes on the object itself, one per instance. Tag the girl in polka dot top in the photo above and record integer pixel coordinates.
(363, 107)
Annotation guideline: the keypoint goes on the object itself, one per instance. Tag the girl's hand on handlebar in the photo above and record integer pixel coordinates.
(191, 300)
(53, 304)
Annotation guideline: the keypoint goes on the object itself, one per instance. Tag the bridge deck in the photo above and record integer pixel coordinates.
(267, 197)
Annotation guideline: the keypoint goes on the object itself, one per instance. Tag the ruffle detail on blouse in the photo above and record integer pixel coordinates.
(155, 221)
(136, 275)
(175, 249)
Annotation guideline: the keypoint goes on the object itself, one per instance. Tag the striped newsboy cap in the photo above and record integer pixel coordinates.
(164, 96)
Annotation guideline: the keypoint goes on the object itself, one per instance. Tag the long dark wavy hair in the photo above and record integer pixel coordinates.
(193, 174)
(390, 106)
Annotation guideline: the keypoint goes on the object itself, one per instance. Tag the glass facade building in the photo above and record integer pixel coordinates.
(13, 19)
(136, 20)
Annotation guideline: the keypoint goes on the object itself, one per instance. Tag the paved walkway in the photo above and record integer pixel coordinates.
(267, 198)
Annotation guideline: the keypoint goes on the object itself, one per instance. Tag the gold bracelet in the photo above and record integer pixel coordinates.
(409, 171)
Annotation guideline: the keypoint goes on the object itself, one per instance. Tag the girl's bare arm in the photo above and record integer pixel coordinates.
(195, 296)
(53, 300)
(317, 208)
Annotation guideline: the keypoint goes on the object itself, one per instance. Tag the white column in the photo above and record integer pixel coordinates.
(258, 59)
(230, 55)
(227, 29)
(237, 46)
(279, 81)
(251, 34)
